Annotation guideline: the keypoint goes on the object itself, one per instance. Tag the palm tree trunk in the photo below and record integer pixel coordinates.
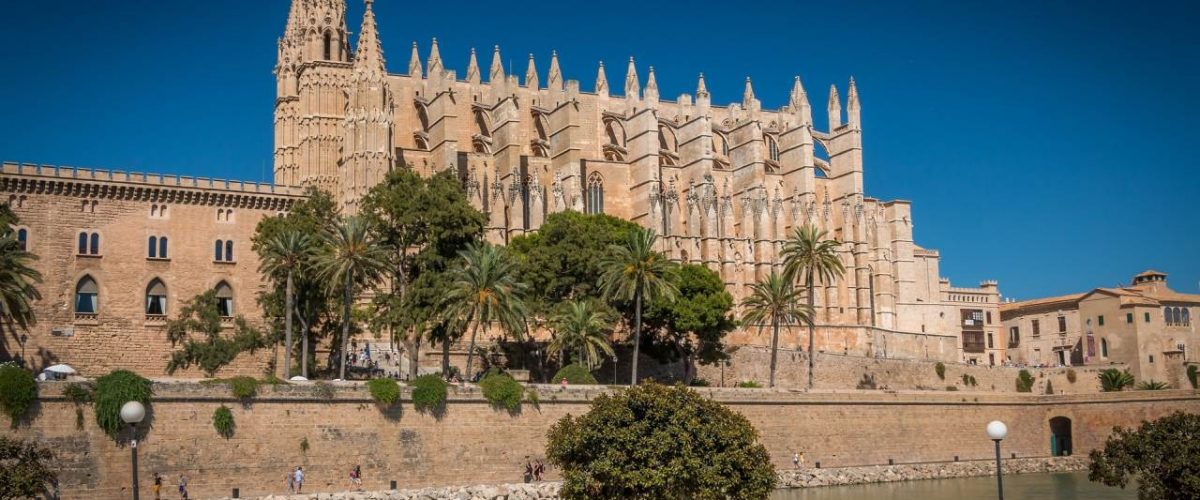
(446, 356)
(812, 328)
(637, 332)
(287, 336)
(471, 352)
(774, 347)
(345, 324)
(303, 344)
(414, 355)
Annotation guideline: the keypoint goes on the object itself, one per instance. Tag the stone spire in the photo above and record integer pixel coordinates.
(852, 107)
(703, 98)
(798, 101)
(434, 66)
(632, 88)
(835, 108)
(748, 100)
(367, 154)
(554, 80)
(531, 74)
(601, 87)
(414, 62)
(496, 73)
(651, 92)
(473, 69)
(368, 56)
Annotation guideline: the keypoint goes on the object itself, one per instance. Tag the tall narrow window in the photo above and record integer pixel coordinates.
(1062, 324)
(772, 147)
(1184, 316)
(152, 247)
(87, 296)
(162, 248)
(1100, 320)
(23, 238)
(1036, 328)
(156, 298)
(224, 300)
(95, 244)
(1129, 317)
(218, 250)
(328, 46)
(1104, 348)
(595, 194)
(229, 251)
(83, 240)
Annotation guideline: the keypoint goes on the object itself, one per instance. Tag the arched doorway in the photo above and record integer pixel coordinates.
(1060, 436)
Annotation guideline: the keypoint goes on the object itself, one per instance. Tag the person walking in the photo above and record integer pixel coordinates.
(183, 494)
(299, 479)
(528, 469)
(291, 481)
(538, 470)
(356, 477)
(157, 486)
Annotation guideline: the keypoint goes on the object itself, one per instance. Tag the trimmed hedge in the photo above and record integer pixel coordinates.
(384, 391)
(576, 374)
(429, 392)
(502, 391)
(112, 392)
(18, 391)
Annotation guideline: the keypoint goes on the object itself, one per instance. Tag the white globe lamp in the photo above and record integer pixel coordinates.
(997, 430)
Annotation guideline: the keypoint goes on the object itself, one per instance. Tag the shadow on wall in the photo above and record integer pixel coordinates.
(13, 347)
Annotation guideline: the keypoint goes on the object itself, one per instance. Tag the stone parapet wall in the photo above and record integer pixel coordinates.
(472, 443)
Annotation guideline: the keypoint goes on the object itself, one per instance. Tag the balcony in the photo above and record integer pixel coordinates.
(973, 342)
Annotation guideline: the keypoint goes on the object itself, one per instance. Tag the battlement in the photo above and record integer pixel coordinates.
(147, 179)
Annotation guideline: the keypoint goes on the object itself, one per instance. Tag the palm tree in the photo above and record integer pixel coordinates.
(581, 329)
(774, 300)
(636, 271)
(352, 255)
(483, 290)
(287, 254)
(809, 257)
(17, 281)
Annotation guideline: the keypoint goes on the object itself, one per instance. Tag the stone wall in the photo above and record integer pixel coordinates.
(470, 443)
(845, 372)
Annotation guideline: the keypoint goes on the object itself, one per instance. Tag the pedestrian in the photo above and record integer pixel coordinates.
(564, 382)
(528, 470)
(157, 486)
(291, 483)
(538, 470)
(796, 460)
(299, 479)
(183, 487)
(800, 462)
(356, 477)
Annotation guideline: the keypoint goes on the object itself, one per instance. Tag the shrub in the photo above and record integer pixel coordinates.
(973, 381)
(1114, 380)
(223, 421)
(112, 392)
(749, 384)
(531, 397)
(1193, 376)
(1159, 455)
(1049, 387)
(940, 369)
(576, 374)
(429, 392)
(26, 471)
(699, 382)
(867, 382)
(79, 393)
(243, 387)
(1151, 385)
(951, 388)
(1024, 381)
(304, 445)
(1071, 377)
(323, 390)
(502, 391)
(384, 391)
(18, 391)
(605, 453)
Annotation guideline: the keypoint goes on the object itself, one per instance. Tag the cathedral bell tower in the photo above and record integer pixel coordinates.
(367, 144)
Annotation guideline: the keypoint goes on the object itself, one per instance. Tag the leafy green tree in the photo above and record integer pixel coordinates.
(352, 258)
(581, 329)
(810, 258)
(694, 323)
(655, 442)
(18, 392)
(562, 260)
(484, 289)
(25, 469)
(289, 254)
(201, 317)
(423, 224)
(313, 302)
(17, 276)
(1162, 455)
(774, 301)
(636, 271)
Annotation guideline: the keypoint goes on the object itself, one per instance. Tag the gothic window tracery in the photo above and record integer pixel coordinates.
(224, 299)
(614, 148)
(156, 298)
(87, 296)
(595, 193)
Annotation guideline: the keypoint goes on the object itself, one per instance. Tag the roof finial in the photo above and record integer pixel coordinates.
(601, 87)
(434, 66)
(414, 62)
(473, 68)
(632, 87)
(531, 74)
(496, 73)
(835, 108)
(554, 78)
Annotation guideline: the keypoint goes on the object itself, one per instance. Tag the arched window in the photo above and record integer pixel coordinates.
(1184, 316)
(162, 248)
(23, 238)
(224, 300)
(595, 194)
(328, 46)
(156, 298)
(83, 239)
(1104, 348)
(95, 244)
(87, 296)
(772, 147)
(152, 250)
(229, 251)
(218, 249)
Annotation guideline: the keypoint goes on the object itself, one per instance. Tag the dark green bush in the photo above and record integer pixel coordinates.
(699, 382)
(28, 471)
(243, 387)
(576, 374)
(1071, 377)
(112, 392)
(223, 421)
(79, 393)
(429, 392)
(749, 384)
(951, 388)
(18, 391)
(1152, 385)
(940, 369)
(384, 391)
(1114, 380)
(502, 391)
(1024, 381)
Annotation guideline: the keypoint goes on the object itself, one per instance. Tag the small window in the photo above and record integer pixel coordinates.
(152, 247)
(224, 300)
(162, 248)
(1152, 359)
(595, 194)
(218, 251)
(1147, 317)
(83, 238)
(1100, 320)
(94, 246)
(989, 317)
(89, 243)
(1104, 348)
(23, 238)
(1129, 317)
(156, 298)
(1187, 320)
(87, 296)
(1036, 328)
(991, 344)
(229, 251)
(1062, 324)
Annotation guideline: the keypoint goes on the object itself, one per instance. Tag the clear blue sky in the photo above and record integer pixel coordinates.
(1048, 145)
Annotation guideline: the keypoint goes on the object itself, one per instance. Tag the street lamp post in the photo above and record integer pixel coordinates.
(132, 413)
(997, 430)
(614, 369)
